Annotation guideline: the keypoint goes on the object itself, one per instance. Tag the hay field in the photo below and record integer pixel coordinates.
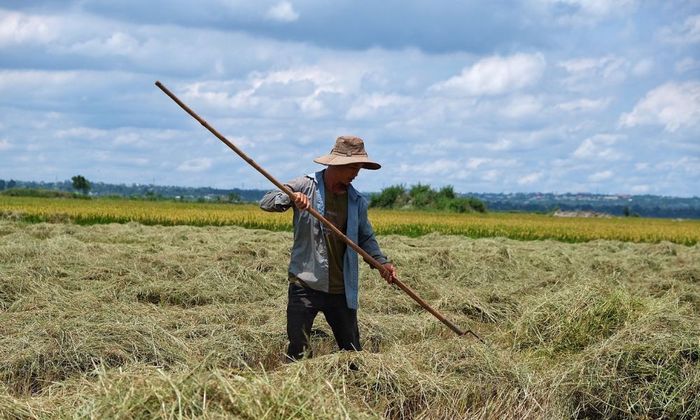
(133, 321)
(408, 223)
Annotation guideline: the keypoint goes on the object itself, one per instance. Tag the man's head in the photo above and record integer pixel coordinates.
(340, 176)
(348, 150)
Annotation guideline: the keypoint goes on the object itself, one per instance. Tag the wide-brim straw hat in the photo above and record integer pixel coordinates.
(347, 150)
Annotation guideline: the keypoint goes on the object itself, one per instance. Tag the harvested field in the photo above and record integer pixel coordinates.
(134, 321)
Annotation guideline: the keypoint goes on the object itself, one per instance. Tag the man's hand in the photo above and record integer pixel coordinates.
(389, 272)
(301, 201)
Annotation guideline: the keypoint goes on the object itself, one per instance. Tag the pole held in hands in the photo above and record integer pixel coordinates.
(373, 262)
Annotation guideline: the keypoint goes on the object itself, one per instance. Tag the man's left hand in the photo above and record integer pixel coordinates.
(389, 272)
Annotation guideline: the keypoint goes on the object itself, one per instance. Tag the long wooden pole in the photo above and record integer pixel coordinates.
(373, 262)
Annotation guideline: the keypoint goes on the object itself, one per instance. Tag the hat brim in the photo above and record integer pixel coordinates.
(335, 160)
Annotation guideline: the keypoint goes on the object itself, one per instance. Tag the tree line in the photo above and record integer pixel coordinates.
(397, 196)
(78, 182)
(423, 197)
(80, 187)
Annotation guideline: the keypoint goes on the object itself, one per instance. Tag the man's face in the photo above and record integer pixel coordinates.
(344, 174)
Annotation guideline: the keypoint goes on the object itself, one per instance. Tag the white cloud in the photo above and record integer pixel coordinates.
(588, 71)
(687, 164)
(440, 166)
(500, 145)
(282, 12)
(18, 28)
(313, 107)
(495, 75)
(673, 105)
(491, 175)
(109, 158)
(586, 12)
(585, 65)
(195, 165)
(521, 106)
(457, 169)
(212, 94)
(117, 43)
(474, 163)
(51, 88)
(687, 64)
(5, 144)
(530, 178)
(640, 189)
(31, 80)
(81, 133)
(601, 176)
(598, 147)
(440, 147)
(687, 33)
(584, 105)
(128, 139)
(294, 92)
(370, 105)
(643, 67)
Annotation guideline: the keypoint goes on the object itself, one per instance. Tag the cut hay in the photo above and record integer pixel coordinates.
(132, 321)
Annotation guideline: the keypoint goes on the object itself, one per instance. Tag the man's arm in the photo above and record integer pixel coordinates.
(368, 242)
(276, 200)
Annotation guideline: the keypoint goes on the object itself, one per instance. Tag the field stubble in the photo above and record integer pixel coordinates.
(134, 321)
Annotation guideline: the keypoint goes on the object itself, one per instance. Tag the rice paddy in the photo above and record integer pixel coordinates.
(136, 321)
(407, 223)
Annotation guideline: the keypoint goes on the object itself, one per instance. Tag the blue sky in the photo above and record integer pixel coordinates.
(595, 96)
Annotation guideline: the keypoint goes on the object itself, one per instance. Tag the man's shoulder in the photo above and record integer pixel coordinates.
(304, 179)
(304, 183)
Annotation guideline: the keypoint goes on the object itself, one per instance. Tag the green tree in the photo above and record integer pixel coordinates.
(81, 184)
(11, 184)
(232, 197)
(2, 184)
(421, 195)
(389, 197)
(477, 204)
(447, 192)
(444, 199)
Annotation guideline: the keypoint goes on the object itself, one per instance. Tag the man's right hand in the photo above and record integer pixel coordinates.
(389, 272)
(301, 201)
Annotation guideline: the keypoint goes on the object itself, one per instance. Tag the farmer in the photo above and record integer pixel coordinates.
(323, 271)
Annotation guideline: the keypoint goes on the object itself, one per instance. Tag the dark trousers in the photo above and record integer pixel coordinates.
(302, 307)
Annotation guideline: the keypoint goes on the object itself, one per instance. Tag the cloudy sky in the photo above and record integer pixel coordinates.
(595, 96)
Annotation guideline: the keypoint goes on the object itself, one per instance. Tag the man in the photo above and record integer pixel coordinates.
(323, 271)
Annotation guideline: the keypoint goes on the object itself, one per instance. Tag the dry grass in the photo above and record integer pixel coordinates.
(132, 321)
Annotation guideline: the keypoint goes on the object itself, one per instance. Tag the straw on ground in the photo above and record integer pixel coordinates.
(134, 321)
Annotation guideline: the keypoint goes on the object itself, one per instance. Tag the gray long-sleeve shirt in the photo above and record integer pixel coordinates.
(309, 260)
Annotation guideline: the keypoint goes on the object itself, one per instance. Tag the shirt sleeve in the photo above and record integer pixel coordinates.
(366, 239)
(278, 201)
